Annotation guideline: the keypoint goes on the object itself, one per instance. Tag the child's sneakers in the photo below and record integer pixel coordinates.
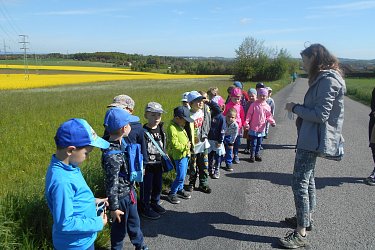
(149, 213)
(173, 199)
(183, 194)
(371, 179)
(157, 208)
(252, 159)
(236, 159)
(293, 240)
(246, 151)
(205, 189)
(216, 174)
(258, 158)
(229, 168)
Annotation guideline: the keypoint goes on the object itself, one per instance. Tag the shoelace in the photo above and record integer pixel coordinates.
(289, 235)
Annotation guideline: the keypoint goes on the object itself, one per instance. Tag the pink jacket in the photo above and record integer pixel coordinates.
(257, 115)
(240, 119)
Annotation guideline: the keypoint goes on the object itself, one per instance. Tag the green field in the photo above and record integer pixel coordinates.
(360, 89)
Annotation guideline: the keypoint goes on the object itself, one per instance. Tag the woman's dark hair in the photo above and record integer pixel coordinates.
(323, 60)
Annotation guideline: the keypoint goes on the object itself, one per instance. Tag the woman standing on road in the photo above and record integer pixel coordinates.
(319, 127)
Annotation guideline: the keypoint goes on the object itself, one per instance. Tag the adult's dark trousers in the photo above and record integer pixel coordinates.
(130, 224)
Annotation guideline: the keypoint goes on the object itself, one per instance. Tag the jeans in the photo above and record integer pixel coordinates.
(228, 155)
(255, 143)
(199, 166)
(303, 185)
(130, 224)
(151, 186)
(181, 169)
(214, 161)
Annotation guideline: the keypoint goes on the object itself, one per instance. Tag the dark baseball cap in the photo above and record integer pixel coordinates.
(182, 112)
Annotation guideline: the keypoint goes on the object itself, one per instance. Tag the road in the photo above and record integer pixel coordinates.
(246, 206)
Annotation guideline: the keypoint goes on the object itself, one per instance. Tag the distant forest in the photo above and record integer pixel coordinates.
(186, 65)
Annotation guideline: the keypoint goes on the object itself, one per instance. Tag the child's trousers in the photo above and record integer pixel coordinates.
(181, 169)
(255, 144)
(199, 165)
(130, 224)
(151, 187)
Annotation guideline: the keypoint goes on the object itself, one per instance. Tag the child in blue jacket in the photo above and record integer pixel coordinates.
(216, 138)
(69, 198)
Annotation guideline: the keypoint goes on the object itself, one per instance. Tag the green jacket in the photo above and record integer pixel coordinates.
(178, 141)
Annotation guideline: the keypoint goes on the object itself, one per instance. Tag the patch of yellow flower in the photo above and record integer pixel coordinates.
(83, 75)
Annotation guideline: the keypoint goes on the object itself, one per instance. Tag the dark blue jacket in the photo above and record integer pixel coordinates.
(218, 124)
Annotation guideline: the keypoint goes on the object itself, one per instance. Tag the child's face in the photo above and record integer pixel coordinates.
(153, 118)
(231, 118)
(185, 104)
(252, 97)
(196, 105)
(262, 98)
(180, 121)
(79, 155)
(269, 93)
(236, 99)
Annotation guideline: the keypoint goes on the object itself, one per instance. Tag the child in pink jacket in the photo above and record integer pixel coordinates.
(257, 115)
(235, 102)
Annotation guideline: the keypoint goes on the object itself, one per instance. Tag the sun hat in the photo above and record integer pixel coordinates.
(184, 97)
(182, 112)
(77, 132)
(122, 101)
(262, 91)
(259, 85)
(116, 118)
(194, 95)
(238, 84)
(154, 107)
(236, 92)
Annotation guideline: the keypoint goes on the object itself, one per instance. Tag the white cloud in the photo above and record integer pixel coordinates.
(245, 20)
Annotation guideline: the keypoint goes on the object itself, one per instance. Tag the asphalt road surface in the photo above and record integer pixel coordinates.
(246, 206)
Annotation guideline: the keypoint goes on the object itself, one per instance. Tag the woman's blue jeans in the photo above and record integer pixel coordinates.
(303, 185)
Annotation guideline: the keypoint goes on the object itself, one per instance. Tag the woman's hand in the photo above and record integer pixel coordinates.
(289, 106)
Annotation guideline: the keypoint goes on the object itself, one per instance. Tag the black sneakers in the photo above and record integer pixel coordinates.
(205, 189)
(183, 194)
(173, 199)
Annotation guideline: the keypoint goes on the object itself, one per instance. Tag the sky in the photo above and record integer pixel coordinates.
(186, 27)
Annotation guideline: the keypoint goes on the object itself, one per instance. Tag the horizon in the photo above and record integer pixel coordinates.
(186, 28)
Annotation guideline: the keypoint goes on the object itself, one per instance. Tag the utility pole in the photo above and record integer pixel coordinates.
(24, 48)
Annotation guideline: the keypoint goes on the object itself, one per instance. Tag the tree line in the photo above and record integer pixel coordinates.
(253, 62)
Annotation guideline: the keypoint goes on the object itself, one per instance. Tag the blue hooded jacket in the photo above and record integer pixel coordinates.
(72, 205)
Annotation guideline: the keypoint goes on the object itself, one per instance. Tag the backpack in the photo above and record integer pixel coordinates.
(134, 160)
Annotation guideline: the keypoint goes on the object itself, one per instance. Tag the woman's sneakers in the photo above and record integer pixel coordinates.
(371, 179)
(293, 240)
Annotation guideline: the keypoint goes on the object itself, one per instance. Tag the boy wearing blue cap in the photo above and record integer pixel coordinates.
(70, 200)
(120, 190)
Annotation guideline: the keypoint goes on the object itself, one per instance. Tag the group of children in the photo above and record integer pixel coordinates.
(205, 131)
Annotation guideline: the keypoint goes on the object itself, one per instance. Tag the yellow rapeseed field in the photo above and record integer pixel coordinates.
(56, 76)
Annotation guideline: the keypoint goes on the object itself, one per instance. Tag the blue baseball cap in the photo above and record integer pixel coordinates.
(77, 132)
(116, 118)
(238, 84)
(194, 95)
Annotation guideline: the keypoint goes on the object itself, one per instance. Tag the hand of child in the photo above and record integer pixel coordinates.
(273, 125)
(116, 215)
(105, 218)
(218, 145)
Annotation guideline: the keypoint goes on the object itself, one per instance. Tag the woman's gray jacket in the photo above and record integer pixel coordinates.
(321, 117)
